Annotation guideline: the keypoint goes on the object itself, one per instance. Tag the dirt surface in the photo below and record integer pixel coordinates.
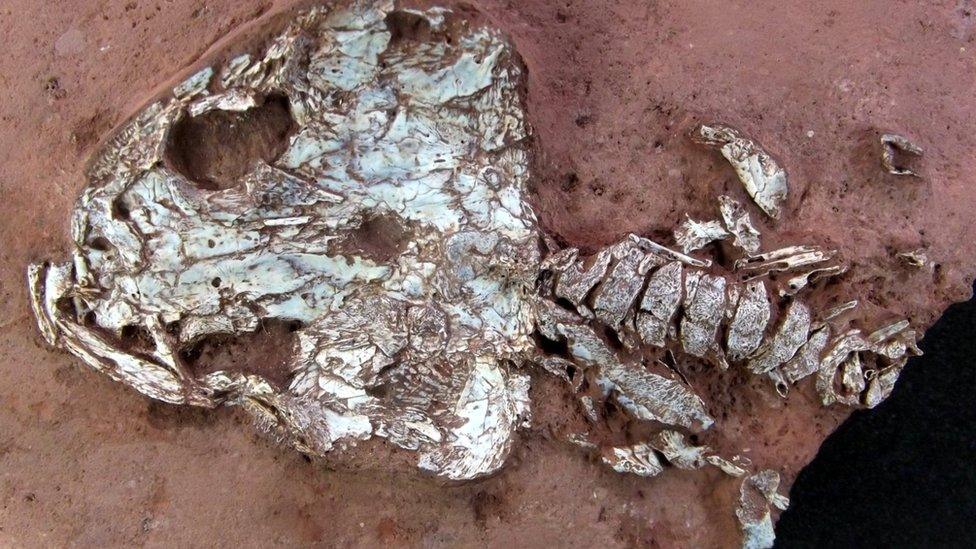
(614, 88)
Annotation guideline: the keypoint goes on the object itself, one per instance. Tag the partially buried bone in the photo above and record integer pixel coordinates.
(893, 145)
(761, 176)
(420, 344)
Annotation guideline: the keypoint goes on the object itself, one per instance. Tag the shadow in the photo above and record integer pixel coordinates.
(901, 475)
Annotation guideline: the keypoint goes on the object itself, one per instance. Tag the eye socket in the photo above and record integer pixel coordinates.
(214, 150)
(407, 27)
(265, 352)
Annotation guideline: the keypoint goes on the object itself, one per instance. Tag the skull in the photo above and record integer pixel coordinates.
(368, 187)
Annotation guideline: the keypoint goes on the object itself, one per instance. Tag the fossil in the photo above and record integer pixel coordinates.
(736, 218)
(694, 235)
(915, 258)
(638, 459)
(762, 177)
(422, 136)
(382, 211)
(756, 494)
(893, 145)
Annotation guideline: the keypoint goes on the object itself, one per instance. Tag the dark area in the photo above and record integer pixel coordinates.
(405, 26)
(216, 148)
(904, 474)
(381, 237)
(264, 352)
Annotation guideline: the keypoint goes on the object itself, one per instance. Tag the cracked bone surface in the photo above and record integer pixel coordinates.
(415, 345)
(378, 205)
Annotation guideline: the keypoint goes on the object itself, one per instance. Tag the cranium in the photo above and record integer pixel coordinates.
(374, 196)
(390, 226)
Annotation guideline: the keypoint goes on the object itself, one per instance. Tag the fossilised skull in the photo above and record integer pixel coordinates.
(364, 180)
(391, 225)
